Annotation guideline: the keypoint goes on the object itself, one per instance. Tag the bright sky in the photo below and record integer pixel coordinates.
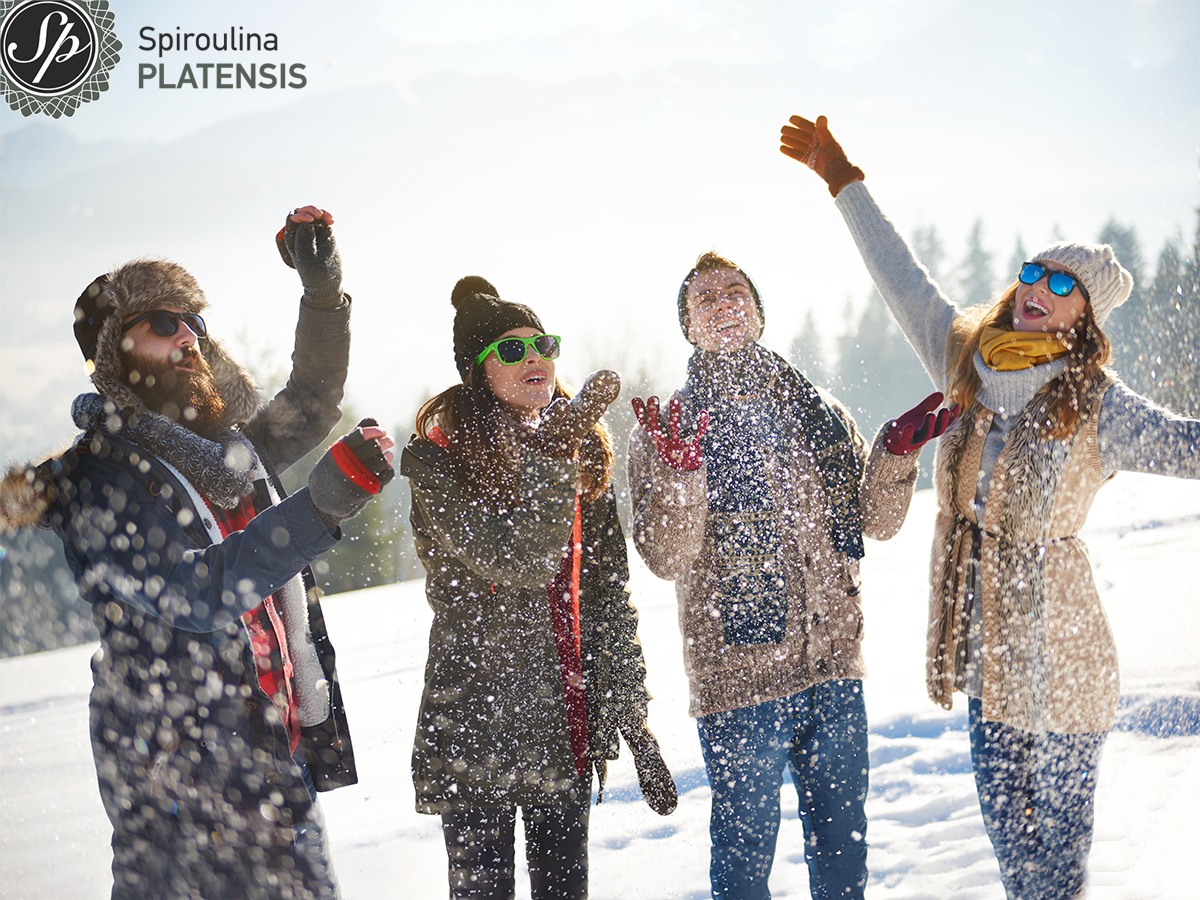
(531, 141)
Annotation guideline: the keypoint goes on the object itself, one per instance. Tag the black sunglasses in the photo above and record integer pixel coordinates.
(165, 323)
(1059, 282)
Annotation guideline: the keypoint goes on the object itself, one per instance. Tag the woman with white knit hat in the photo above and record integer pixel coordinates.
(1015, 620)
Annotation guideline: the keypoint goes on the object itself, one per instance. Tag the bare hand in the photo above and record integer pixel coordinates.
(386, 443)
(311, 214)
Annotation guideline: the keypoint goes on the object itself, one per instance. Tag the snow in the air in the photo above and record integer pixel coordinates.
(926, 835)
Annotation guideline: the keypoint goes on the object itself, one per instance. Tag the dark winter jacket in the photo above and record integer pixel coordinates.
(492, 727)
(180, 726)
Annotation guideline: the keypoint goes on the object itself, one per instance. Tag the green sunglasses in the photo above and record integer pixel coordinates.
(511, 350)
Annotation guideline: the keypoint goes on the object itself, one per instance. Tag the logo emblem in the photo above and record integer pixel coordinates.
(55, 54)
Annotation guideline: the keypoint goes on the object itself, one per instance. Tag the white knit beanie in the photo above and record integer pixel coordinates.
(1104, 279)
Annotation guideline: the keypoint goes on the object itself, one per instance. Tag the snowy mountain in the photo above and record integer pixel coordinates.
(40, 154)
(926, 835)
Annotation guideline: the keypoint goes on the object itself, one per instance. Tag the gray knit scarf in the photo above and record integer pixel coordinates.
(218, 464)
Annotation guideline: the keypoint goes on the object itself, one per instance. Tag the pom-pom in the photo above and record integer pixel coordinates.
(470, 285)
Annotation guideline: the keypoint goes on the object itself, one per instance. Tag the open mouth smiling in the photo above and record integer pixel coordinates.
(1034, 309)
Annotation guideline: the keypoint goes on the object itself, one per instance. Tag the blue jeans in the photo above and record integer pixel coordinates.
(1037, 795)
(313, 843)
(821, 736)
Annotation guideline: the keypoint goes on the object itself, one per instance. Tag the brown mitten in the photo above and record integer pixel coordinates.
(812, 144)
(565, 424)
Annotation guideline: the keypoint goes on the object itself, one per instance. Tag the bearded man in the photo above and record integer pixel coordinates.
(216, 713)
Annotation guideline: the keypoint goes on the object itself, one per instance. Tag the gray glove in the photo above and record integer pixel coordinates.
(310, 249)
(350, 473)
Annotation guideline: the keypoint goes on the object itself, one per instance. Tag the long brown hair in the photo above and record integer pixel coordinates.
(1089, 351)
(468, 414)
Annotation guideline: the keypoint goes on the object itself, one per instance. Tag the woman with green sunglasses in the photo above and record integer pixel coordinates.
(1015, 619)
(534, 664)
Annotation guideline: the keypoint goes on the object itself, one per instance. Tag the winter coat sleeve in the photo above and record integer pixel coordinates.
(1138, 435)
(132, 538)
(923, 312)
(301, 415)
(887, 482)
(670, 509)
(887, 489)
(613, 660)
(522, 546)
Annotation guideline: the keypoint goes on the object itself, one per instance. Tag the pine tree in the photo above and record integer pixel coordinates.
(929, 249)
(806, 354)
(1161, 321)
(975, 273)
(1125, 327)
(1182, 367)
(1019, 257)
(880, 374)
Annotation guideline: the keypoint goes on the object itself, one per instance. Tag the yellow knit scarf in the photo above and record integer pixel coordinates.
(1010, 351)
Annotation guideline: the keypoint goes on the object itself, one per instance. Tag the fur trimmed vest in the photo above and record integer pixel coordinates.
(1046, 652)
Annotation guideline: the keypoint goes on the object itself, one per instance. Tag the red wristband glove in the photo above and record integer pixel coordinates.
(919, 425)
(686, 456)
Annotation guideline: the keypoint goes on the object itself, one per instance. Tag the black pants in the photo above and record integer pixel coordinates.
(480, 844)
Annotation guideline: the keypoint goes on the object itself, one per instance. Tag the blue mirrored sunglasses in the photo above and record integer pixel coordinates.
(511, 350)
(165, 323)
(1059, 282)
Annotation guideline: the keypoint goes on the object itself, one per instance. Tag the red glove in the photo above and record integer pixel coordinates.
(812, 144)
(685, 456)
(919, 425)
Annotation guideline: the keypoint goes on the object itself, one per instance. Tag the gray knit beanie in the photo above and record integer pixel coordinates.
(1104, 279)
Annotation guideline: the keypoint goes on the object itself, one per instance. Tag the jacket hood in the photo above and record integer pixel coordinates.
(137, 287)
(26, 492)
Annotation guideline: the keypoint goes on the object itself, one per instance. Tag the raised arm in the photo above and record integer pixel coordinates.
(922, 310)
(301, 415)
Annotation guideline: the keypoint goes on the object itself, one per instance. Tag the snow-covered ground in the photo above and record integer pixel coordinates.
(926, 834)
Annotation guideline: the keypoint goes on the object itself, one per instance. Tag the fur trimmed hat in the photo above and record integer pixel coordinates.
(480, 317)
(137, 287)
(1105, 280)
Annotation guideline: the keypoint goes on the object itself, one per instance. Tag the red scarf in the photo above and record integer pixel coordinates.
(564, 612)
(268, 640)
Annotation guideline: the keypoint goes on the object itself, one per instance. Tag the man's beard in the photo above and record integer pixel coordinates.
(187, 397)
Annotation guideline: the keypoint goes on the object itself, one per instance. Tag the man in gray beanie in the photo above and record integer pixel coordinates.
(216, 713)
(758, 514)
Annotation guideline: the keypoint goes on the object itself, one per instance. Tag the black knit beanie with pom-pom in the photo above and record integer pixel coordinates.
(480, 317)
